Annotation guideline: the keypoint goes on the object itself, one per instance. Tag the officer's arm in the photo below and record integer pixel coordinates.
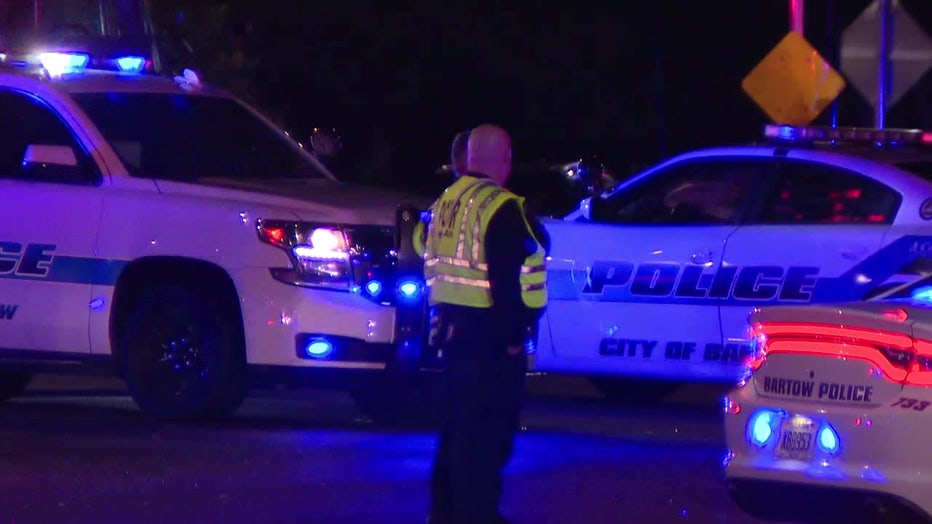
(540, 233)
(507, 244)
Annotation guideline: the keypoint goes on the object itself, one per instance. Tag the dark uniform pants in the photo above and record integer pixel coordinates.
(482, 416)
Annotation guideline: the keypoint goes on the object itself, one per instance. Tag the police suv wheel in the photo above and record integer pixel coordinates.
(185, 354)
(12, 384)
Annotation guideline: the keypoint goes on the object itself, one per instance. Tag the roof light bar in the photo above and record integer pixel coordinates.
(57, 64)
(131, 64)
(847, 134)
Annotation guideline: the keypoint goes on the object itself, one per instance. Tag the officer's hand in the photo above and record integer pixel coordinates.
(515, 350)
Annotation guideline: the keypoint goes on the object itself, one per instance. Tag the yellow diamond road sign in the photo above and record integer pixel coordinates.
(793, 84)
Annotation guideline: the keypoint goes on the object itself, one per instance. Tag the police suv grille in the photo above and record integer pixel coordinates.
(374, 260)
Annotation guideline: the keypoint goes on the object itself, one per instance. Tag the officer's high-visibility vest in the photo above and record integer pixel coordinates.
(455, 264)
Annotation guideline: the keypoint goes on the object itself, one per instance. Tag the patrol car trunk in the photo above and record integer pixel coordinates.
(855, 354)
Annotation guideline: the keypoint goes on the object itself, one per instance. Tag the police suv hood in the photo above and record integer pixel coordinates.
(309, 199)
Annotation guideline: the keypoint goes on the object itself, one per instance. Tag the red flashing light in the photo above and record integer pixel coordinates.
(276, 235)
(927, 138)
(273, 234)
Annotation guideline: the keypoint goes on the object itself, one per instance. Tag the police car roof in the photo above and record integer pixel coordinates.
(106, 82)
(89, 81)
(888, 154)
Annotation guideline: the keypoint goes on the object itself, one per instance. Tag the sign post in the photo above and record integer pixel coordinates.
(883, 65)
(884, 53)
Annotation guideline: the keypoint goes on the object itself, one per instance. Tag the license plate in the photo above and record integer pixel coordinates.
(796, 439)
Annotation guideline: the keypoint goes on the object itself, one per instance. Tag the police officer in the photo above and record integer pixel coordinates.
(485, 273)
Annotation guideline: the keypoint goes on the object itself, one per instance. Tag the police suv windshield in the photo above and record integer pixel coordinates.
(185, 138)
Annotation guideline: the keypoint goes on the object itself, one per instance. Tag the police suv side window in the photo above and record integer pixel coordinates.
(813, 193)
(694, 192)
(26, 121)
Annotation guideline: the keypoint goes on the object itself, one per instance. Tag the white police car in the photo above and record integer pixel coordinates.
(165, 227)
(656, 279)
(836, 408)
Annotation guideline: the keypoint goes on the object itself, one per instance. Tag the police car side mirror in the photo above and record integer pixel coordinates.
(585, 208)
(39, 156)
(47, 163)
(326, 143)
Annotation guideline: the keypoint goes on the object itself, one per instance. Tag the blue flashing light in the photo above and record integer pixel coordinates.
(922, 294)
(131, 64)
(409, 290)
(786, 132)
(57, 64)
(828, 439)
(319, 348)
(761, 427)
(374, 287)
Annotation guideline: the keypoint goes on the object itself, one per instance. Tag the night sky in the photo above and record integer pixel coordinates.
(632, 84)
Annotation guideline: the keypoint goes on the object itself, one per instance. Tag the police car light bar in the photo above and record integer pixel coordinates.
(131, 64)
(57, 64)
(847, 134)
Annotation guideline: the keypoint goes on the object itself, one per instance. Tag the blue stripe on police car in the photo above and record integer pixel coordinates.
(671, 283)
(39, 262)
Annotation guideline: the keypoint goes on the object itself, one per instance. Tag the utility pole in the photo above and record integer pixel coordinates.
(883, 64)
(796, 16)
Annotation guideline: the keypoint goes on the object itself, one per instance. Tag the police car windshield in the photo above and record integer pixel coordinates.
(920, 288)
(185, 138)
(922, 168)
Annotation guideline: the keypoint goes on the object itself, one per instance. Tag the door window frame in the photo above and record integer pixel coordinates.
(742, 211)
(89, 172)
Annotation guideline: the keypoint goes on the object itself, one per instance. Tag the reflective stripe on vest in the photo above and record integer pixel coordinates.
(457, 270)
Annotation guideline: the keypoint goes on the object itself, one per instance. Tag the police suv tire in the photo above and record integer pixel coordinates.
(185, 352)
(12, 384)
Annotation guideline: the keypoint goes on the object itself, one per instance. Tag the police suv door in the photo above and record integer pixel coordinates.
(48, 228)
(634, 292)
(814, 238)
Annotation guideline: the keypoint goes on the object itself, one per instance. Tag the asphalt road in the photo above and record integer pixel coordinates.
(77, 450)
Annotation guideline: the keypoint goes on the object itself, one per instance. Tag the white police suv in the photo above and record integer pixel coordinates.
(835, 410)
(657, 278)
(165, 227)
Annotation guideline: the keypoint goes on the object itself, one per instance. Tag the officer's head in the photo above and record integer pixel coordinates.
(458, 152)
(489, 152)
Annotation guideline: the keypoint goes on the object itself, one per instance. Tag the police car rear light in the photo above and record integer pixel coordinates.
(828, 439)
(57, 64)
(800, 134)
(730, 406)
(761, 426)
(898, 357)
(897, 315)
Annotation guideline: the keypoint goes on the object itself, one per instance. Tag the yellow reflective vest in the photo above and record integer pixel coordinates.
(453, 248)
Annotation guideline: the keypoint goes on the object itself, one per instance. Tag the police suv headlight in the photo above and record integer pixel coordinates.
(319, 253)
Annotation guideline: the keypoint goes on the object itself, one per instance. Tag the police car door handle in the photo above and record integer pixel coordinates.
(855, 253)
(701, 257)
